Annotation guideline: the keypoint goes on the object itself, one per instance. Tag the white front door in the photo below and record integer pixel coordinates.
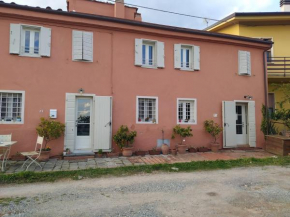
(241, 124)
(83, 140)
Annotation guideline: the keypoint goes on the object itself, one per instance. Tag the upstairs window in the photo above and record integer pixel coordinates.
(28, 40)
(245, 63)
(11, 107)
(147, 110)
(187, 57)
(186, 113)
(149, 54)
(82, 46)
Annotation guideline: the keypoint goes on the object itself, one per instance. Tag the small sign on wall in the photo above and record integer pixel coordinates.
(53, 113)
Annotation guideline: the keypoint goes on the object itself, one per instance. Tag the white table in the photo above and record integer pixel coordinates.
(7, 146)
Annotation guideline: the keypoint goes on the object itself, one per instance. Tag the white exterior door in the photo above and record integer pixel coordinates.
(229, 123)
(241, 125)
(83, 131)
(103, 123)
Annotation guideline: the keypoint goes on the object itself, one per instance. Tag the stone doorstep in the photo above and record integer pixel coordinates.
(78, 157)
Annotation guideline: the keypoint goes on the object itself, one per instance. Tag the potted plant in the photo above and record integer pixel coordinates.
(192, 149)
(100, 153)
(202, 149)
(18, 157)
(50, 130)
(214, 130)
(154, 151)
(173, 151)
(140, 153)
(113, 154)
(164, 147)
(183, 133)
(125, 139)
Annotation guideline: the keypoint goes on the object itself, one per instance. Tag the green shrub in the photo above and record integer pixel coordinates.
(213, 129)
(182, 132)
(124, 138)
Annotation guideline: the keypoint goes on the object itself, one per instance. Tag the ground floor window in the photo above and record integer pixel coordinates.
(186, 112)
(11, 106)
(147, 110)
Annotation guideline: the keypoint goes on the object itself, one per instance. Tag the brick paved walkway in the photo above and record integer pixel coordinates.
(66, 165)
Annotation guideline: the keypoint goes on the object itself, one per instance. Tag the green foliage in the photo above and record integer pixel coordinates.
(100, 151)
(182, 132)
(285, 89)
(213, 129)
(50, 130)
(124, 138)
(267, 125)
(282, 116)
(31, 177)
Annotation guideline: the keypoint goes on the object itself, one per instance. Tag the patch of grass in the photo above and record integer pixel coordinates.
(7, 201)
(31, 177)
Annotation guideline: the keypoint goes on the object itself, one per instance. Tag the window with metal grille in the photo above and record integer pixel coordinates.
(186, 111)
(11, 107)
(147, 110)
(148, 54)
(30, 44)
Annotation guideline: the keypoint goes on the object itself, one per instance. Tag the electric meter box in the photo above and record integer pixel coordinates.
(53, 113)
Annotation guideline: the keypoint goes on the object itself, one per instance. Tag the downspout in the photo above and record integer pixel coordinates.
(266, 85)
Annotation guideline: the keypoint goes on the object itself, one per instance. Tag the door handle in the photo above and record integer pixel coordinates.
(243, 124)
(226, 124)
(109, 123)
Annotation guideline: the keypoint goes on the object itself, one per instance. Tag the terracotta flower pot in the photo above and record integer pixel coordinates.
(127, 152)
(181, 149)
(113, 155)
(140, 153)
(154, 152)
(215, 147)
(44, 156)
(99, 155)
(192, 150)
(165, 149)
(173, 151)
(203, 149)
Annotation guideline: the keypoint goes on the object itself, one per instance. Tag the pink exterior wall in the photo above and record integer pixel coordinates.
(47, 80)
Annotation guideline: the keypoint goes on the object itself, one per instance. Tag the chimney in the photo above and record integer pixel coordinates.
(285, 5)
(119, 9)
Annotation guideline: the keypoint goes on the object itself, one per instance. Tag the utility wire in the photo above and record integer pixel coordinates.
(170, 12)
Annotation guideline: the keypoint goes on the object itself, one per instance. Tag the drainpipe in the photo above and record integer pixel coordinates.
(266, 84)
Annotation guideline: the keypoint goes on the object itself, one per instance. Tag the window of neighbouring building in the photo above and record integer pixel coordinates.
(11, 106)
(147, 110)
(28, 40)
(272, 106)
(186, 111)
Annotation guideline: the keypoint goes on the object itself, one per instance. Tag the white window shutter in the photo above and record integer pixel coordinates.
(160, 55)
(88, 38)
(103, 123)
(196, 58)
(45, 42)
(252, 124)
(15, 30)
(229, 123)
(249, 66)
(138, 52)
(243, 63)
(70, 113)
(177, 56)
(77, 48)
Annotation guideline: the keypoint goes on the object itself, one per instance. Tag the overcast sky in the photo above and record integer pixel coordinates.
(216, 9)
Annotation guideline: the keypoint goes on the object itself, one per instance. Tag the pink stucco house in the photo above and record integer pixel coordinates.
(98, 66)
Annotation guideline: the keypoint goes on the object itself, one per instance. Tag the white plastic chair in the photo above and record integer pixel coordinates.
(33, 155)
(5, 150)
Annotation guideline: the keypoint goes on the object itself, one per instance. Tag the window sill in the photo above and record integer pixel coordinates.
(83, 61)
(10, 122)
(149, 67)
(27, 55)
(146, 123)
(183, 123)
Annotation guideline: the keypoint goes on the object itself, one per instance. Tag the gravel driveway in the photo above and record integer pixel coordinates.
(237, 192)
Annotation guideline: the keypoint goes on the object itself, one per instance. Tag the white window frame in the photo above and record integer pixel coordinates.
(137, 109)
(150, 43)
(195, 111)
(22, 109)
(22, 42)
(191, 56)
